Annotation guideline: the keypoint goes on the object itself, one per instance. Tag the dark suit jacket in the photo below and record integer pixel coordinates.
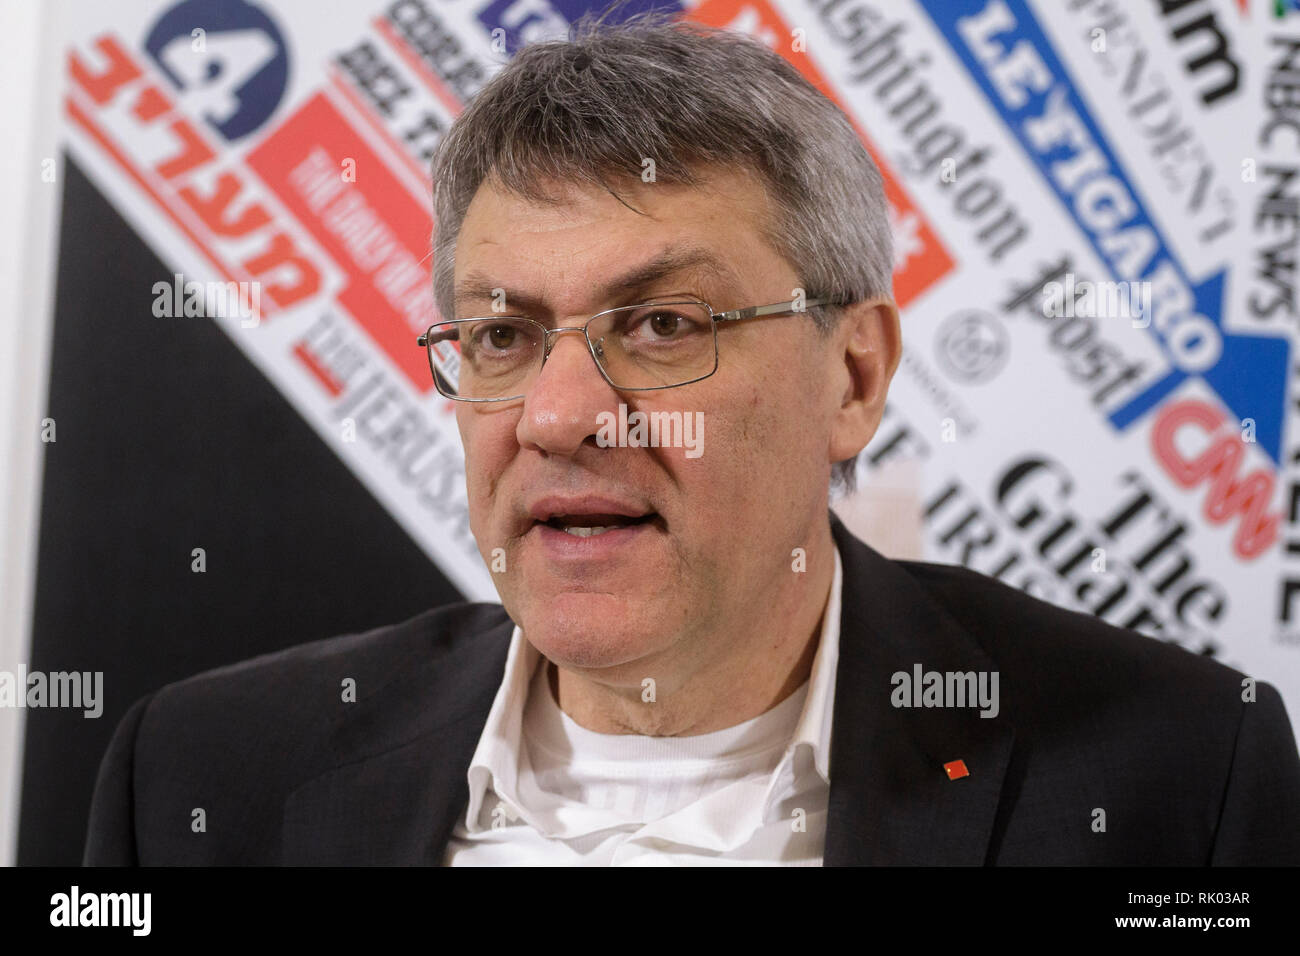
(1092, 717)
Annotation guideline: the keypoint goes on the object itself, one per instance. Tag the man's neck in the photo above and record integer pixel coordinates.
(759, 662)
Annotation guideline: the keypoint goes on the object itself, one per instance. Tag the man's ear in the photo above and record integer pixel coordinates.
(870, 339)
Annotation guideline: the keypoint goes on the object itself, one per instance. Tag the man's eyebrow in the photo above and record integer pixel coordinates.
(477, 286)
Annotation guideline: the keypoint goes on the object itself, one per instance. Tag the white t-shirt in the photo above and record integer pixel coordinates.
(546, 791)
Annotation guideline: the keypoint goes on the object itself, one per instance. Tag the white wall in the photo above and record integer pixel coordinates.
(30, 104)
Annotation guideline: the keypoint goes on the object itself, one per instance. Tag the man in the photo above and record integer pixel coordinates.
(693, 662)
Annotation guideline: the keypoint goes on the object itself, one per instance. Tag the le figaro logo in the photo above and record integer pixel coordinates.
(1013, 63)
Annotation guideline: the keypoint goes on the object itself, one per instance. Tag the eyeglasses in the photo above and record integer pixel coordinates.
(660, 344)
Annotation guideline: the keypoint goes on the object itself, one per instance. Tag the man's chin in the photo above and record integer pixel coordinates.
(594, 631)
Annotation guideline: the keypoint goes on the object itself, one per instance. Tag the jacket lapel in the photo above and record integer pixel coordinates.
(891, 801)
(398, 783)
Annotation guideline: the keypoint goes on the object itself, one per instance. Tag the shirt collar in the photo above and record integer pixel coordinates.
(495, 763)
(813, 732)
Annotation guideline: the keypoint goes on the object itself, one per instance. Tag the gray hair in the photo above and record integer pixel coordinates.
(589, 108)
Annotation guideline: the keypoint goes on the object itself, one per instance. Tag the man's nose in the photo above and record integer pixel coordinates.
(560, 408)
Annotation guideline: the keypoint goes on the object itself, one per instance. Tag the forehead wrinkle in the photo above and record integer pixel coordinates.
(672, 261)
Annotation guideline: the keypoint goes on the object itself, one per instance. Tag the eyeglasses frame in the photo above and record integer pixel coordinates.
(731, 315)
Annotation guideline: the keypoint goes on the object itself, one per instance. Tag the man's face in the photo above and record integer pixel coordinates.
(701, 547)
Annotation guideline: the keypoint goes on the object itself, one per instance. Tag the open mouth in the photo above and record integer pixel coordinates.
(591, 525)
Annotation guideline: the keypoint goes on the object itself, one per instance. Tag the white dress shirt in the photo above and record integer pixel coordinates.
(546, 791)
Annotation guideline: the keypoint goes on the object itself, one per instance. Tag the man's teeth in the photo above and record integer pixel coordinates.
(584, 526)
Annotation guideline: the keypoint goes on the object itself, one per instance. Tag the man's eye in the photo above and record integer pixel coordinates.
(665, 323)
(500, 336)
(661, 324)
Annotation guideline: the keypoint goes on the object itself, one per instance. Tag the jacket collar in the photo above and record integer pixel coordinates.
(891, 801)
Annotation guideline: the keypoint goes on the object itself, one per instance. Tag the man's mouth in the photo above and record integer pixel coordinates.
(591, 525)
